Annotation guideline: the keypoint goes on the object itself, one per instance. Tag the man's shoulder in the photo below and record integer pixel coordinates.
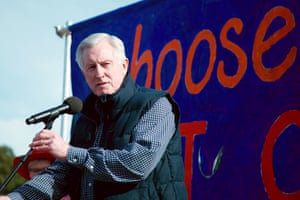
(151, 92)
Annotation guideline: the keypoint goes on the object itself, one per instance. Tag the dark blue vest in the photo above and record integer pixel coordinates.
(120, 114)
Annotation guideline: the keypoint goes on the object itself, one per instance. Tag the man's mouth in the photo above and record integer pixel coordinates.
(101, 84)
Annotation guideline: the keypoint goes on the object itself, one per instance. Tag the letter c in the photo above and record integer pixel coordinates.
(285, 120)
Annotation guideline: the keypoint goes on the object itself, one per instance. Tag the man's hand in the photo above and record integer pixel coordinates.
(50, 141)
(4, 198)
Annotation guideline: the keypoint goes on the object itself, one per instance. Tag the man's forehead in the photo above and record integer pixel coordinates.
(99, 52)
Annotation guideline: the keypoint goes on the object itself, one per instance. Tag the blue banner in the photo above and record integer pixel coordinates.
(233, 67)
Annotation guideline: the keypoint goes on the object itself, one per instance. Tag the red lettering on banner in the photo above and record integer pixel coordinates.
(225, 80)
(260, 46)
(282, 122)
(188, 131)
(190, 85)
(146, 58)
(173, 45)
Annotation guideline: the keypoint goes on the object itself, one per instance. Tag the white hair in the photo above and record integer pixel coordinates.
(94, 39)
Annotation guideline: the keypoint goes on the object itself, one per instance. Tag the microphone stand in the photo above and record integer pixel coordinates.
(48, 125)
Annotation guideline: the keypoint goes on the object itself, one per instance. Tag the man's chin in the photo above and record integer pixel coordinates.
(103, 92)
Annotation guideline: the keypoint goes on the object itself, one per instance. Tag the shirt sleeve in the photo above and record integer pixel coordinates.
(136, 161)
(15, 196)
(47, 185)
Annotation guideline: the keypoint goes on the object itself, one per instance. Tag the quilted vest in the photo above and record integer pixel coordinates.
(166, 181)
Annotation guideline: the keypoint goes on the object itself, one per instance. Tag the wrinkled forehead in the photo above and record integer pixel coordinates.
(98, 52)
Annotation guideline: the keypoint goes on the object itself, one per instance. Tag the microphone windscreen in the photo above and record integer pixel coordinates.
(74, 103)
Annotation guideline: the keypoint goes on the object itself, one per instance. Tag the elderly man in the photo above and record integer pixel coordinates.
(126, 143)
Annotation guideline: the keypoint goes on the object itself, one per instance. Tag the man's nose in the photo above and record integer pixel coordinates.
(99, 71)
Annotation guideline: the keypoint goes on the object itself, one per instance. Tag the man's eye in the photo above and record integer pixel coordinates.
(106, 64)
(91, 67)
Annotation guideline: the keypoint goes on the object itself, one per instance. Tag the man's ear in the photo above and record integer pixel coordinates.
(125, 65)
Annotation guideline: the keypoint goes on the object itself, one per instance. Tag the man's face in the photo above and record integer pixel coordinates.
(103, 69)
(37, 166)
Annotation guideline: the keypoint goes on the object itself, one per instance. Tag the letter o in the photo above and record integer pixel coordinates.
(282, 122)
(195, 88)
(175, 46)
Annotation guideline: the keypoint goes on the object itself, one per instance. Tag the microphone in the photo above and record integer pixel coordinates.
(71, 105)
